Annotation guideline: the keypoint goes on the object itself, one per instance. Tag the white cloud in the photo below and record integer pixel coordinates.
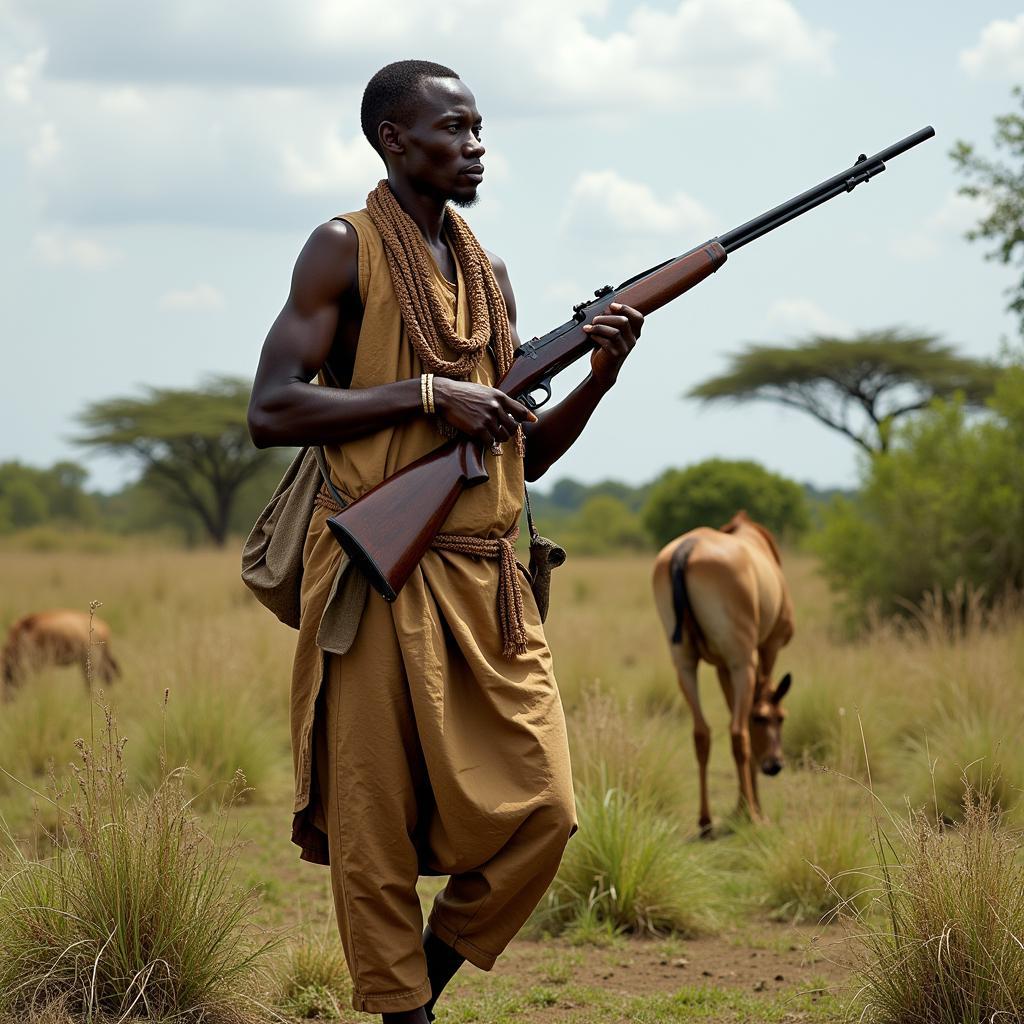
(599, 199)
(208, 113)
(46, 147)
(59, 248)
(999, 50)
(336, 165)
(202, 297)
(799, 315)
(567, 54)
(950, 220)
(19, 79)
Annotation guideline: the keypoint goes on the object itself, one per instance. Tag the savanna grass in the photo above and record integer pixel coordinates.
(211, 734)
(947, 946)
(312, 979)
(134, 914)
(821, 868)
(628, 869)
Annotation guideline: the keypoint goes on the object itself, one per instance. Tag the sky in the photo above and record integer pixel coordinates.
(162, 163)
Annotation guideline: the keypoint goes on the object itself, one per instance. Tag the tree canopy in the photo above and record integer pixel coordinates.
(709, 493)
(858, 386)
(193, 445)
(943, 510)
(1001, 187)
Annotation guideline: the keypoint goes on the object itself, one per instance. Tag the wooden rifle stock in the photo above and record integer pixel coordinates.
(387, 530)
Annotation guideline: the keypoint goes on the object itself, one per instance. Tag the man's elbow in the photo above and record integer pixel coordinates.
(260, 429)
(532, 471)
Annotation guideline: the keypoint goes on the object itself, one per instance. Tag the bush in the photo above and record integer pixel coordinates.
(603, 525)
(711, 492)
(944, 507)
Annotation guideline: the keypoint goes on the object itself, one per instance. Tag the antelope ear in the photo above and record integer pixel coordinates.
(783, 688)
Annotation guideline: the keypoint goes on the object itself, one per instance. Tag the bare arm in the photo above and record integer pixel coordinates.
(285, 409)
(558, 428)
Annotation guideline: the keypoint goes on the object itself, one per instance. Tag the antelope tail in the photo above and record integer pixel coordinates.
(680, 597)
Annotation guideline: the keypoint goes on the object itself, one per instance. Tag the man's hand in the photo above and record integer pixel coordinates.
(616, 333)
(484, 413)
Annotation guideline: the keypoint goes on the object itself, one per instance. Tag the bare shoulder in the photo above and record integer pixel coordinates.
(328, 264)
(504, 283)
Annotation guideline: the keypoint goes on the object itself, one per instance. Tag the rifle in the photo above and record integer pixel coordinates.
(387, 530)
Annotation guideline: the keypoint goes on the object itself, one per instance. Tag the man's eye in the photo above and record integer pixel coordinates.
(453, 128)
(478, 131)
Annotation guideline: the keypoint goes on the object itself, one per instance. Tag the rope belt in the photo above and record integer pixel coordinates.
(510, 597)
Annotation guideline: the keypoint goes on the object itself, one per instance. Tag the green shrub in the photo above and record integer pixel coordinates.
(711, 492)
(943, 508)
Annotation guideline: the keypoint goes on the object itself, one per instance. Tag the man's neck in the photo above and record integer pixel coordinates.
(427, 212)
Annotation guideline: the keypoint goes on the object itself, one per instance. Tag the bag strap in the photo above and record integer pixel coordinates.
(529, 514)
(321, 459)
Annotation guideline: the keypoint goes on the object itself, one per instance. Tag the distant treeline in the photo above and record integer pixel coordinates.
(942, 507)
(46, 504)
(598, 518)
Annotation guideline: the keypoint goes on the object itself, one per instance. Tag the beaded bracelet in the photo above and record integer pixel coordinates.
(427, 392)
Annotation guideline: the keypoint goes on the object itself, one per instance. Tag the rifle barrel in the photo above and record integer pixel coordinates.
(845, 181)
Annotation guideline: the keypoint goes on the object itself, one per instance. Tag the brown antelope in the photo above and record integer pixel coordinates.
(59, 636)
(722, 598)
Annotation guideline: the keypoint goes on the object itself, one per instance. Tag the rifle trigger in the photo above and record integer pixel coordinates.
(531, 403)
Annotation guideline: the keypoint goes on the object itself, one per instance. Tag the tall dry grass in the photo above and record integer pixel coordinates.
(182, 621)
(134, 914)
(947, 943)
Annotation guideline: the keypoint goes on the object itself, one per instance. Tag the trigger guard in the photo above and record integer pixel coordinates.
(532, 403)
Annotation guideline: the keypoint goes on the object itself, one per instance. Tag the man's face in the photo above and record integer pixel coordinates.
(442, 145)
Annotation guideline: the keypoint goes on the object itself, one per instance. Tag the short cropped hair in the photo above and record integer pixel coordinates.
(392, 93)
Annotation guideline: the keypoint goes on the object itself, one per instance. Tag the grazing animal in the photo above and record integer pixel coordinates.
(59, 636)
(722, 598)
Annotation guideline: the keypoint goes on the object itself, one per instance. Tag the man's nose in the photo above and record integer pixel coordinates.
(475, 148)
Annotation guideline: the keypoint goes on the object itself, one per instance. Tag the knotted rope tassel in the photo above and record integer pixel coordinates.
(510, 597)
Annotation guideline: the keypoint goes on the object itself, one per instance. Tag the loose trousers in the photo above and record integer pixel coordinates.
(459, 768)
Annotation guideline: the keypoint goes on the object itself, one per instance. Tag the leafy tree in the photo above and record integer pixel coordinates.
(859, 386)
(193, 446)
(30, 495)
(1001, 186)
(605, 525)
(946, 504)
(711, 492)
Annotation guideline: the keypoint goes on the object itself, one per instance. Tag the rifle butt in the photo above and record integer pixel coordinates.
(386, 531)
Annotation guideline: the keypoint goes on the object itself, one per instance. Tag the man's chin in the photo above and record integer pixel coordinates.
(464, 199)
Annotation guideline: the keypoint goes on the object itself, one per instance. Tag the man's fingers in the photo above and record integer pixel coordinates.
(519, 411)
(636, 318)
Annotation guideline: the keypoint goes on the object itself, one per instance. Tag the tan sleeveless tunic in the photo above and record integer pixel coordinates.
(457, 588)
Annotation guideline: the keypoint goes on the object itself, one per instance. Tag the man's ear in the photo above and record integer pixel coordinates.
(390, 137)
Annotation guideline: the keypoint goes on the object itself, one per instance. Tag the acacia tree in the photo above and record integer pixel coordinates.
(193, 446)
(859, 386)
(1001, 187)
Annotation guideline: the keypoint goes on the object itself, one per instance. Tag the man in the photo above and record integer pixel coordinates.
(434, 742)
